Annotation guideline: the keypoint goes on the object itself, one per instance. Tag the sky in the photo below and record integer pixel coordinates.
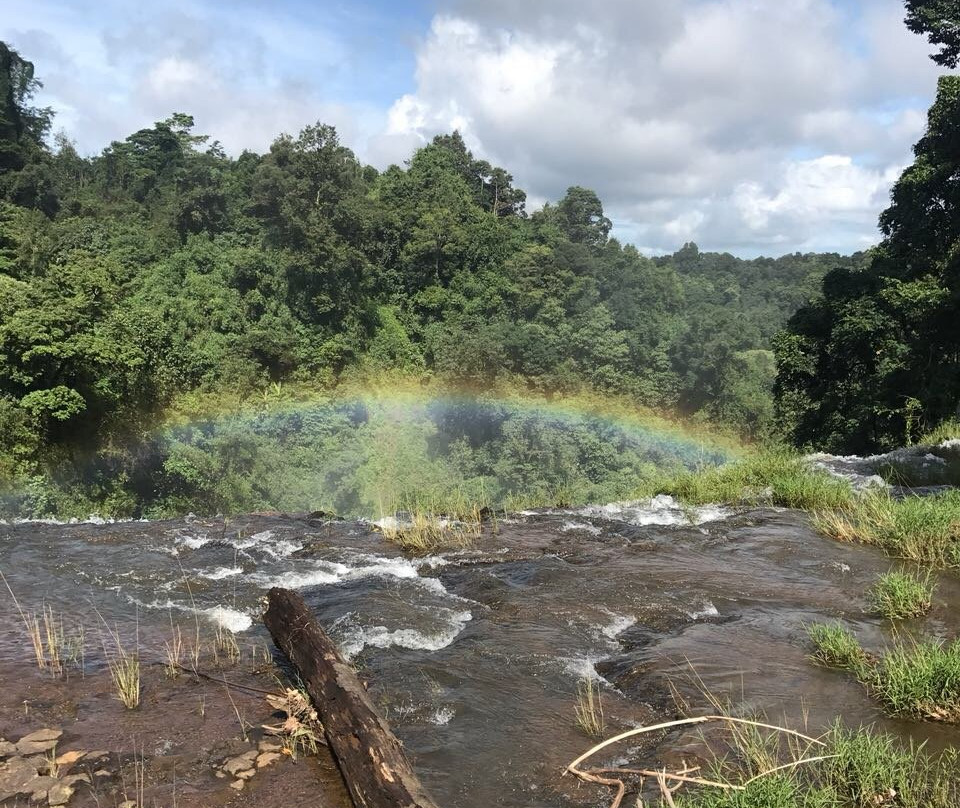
(749, 126)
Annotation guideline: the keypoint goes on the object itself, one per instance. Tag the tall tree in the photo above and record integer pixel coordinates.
(940, 21)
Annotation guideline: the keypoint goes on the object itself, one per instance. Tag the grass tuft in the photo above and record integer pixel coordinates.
(921, 529)
(948, 430)
(426, 532)
(589, 709)
(920, 679)
(836, 647)
(772, 476)
(899, 595)
(125, 672)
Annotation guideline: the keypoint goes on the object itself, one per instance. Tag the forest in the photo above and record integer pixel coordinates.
(162, 271)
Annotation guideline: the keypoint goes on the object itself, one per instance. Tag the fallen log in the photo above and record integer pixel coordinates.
(371, 758)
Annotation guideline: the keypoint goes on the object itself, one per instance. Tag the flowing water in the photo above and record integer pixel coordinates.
(475, 655)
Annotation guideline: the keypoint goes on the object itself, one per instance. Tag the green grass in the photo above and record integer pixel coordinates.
(860, 769)
(919, 679)
(899, 595)
(916, 678)
(921, 529)
(948, 430)
(769, 476)
(836, 647)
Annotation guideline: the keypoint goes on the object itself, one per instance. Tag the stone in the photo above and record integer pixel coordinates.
(269, 746)
(238, 785)
(40, 787)
(240, 762)
(67, 759)
(7, 749)
(43, 740)
(128, 804)
(60, 793)
(267, 758)
(246, 774)
(17, 777)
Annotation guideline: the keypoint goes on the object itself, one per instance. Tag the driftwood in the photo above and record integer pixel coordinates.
(371, 759)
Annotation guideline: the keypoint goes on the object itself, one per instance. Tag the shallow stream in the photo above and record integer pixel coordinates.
(475, 655)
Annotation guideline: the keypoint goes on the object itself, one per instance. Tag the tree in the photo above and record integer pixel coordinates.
(580, 216)
(940, 21)
(876, 358)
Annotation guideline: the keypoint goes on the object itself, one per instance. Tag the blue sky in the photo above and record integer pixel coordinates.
(751, 126)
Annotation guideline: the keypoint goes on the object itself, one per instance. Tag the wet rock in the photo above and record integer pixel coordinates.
(240, 763)
(269, 746)
(266, 758)
(43, 740)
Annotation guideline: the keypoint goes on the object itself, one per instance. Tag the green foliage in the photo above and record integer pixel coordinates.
(899, 594)
(940, 21)
(875, 360)
(162, 269)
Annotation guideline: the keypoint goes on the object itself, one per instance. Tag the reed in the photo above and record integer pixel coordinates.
(588, 712)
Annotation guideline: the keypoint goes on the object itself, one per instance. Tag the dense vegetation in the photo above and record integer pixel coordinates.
(162, 270)
(164, 267)
(875, 360)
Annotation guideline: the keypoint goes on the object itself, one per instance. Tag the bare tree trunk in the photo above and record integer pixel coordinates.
(371, 759)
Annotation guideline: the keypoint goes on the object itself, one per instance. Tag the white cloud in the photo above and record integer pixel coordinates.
(743, 124)
(748, 125)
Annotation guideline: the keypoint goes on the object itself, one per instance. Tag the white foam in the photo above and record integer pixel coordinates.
(221, 572)
(661, 510)
(442, 716)
(584, 667)
(231, 619)
(359, 637)
(586, 526)
(707, 609)
(618, 624)
(333, 572)
(193, 542)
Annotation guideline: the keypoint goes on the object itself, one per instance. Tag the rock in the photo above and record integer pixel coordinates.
(40, 787)
(7, 749)
(60, 793)
(220, 774)
(128, 804)
(43, 740)
(237, 784)
(240, 762)
(269, 746)
(17, 777)
(247, 774)
(267, 758)
(67, 759)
